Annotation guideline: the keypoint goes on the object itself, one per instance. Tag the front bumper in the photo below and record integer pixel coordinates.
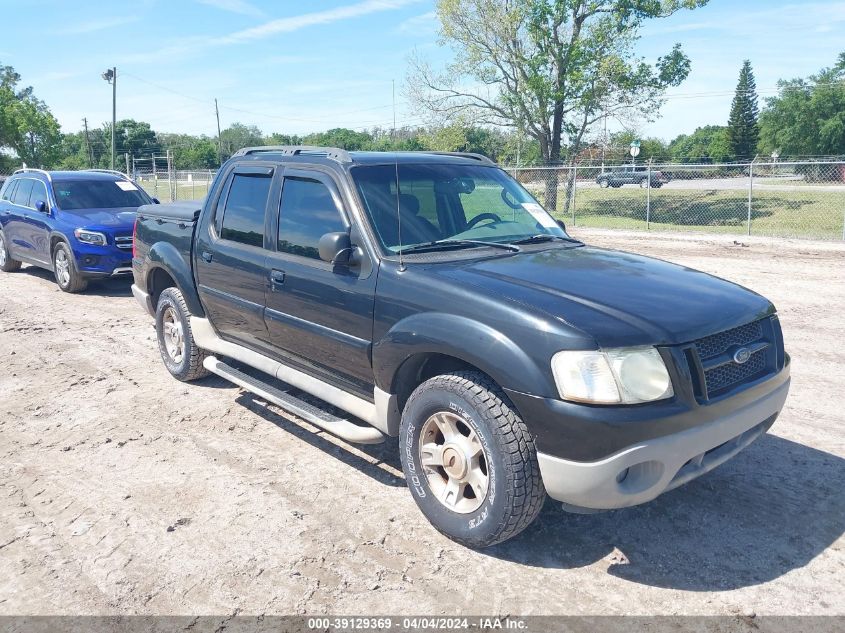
(641, 472)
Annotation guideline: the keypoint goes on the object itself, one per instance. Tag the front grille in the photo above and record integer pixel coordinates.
(123, 241)
(720, 343)
(725, 376)
(720, 373)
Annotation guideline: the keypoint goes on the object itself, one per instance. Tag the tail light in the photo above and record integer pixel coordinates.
(134, 237)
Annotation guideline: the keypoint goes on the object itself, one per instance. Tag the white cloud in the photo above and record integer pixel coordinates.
(425, 24)
(234, 6)
(297, 22)
(91, 26)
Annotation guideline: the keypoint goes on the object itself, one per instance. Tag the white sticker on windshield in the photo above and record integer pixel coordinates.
(126, 185)
(537, 212)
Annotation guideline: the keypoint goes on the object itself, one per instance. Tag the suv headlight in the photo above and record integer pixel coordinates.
(613, 376)
(90, 237)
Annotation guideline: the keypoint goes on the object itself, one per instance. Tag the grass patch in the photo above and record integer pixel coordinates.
(813, 214)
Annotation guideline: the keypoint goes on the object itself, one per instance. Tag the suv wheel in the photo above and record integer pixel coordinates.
(603, 183)
(7, 264)
(469, 460)
(644, 183)
(64, 268)
(176, 344)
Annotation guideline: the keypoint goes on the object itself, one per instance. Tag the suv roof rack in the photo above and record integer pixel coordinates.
(479, 157)
(333, 153)
(109, 171)
(23, 170)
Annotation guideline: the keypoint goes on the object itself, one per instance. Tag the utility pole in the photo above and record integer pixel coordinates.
(126, 155)
(219, 140)
(88, 144)
(393, 82)
(111, 76)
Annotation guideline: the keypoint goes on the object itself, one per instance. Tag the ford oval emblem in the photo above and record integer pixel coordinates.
(742, 355)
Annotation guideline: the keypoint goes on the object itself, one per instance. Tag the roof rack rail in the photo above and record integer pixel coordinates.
(333, 153)
(479, 157)
(109, 171)
(23, 170)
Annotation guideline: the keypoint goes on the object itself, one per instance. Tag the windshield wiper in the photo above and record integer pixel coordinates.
(447, 244)
(545, 237)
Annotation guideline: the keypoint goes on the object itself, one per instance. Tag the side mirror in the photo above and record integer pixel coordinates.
(156, 201)
(41, 206)
(561, 224)
(335, 247)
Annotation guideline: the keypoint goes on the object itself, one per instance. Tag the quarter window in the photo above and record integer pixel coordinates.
(21, 195)
(10, 189)
(243, 215)
(308, 212)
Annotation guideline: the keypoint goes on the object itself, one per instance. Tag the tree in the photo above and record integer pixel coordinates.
(547, 68)
(27, 127)
(708, 144)
(742, 123)
(237, 136)
(807, 118)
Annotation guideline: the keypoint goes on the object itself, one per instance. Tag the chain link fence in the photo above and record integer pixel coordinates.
(779, 199)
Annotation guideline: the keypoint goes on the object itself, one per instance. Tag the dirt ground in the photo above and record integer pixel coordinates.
(125, 491)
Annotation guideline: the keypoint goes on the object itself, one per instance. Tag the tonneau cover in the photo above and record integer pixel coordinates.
(185, 211)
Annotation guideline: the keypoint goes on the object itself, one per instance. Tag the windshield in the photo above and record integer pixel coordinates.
(449, 202)
(98, 194)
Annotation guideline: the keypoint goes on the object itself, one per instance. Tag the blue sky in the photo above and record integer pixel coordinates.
(306, 66)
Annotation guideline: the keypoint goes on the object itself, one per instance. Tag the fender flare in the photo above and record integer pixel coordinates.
(166, 257)
(468, 340)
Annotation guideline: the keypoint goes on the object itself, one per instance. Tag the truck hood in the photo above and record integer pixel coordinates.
(618, 298)
(94, 219)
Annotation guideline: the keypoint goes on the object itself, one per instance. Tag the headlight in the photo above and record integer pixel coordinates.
(616, 376)
(90, 237)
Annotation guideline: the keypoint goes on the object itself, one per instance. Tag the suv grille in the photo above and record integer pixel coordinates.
(123, 241)
(720, 373)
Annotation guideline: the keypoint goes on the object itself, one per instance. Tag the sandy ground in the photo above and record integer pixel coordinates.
(125, 491)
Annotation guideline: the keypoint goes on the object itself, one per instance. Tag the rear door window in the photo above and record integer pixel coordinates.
(21, 195)
(243, 213)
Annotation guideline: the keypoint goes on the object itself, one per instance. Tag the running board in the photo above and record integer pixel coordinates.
(344, 429)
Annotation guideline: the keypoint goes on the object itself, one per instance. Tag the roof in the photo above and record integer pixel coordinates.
(85, 175)
(296, 153)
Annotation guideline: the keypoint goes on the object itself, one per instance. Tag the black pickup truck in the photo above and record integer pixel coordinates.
(432, 298)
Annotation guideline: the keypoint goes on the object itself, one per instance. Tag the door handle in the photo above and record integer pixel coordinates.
(207, 256)
(277, 278)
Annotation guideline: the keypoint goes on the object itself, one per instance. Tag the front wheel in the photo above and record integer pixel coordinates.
(603, 183)
(64, 268)
(7, 263)
(469, 460)
(179, 351)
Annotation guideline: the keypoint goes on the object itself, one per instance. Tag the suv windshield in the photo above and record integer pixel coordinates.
(448, 202)
(98, 194)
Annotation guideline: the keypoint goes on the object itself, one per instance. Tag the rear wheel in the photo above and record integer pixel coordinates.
(64, 268)
(176, 344)
(7, 264)
(469, 460)
(603, 183)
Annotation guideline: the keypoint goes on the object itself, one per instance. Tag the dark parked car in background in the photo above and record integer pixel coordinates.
(77, 224)
(631, 175)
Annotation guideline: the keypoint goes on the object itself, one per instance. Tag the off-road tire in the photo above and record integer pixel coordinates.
(9, 264)
(74, 282)
(190, 366)
(515, 493)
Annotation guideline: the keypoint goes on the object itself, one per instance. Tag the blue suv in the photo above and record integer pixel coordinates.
(78, 224)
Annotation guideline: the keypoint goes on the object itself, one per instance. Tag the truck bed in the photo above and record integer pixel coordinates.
(171, 223)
